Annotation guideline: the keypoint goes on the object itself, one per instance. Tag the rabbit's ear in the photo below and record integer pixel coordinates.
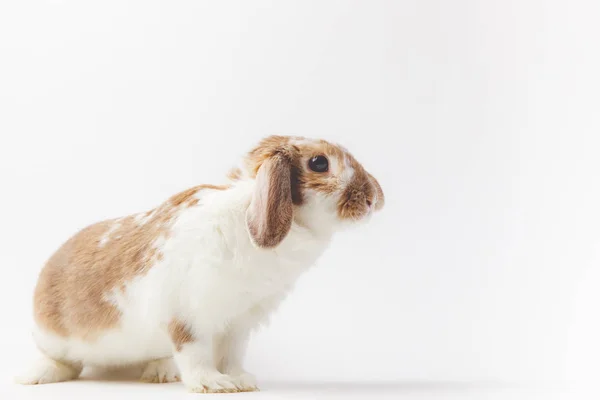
(269, 216)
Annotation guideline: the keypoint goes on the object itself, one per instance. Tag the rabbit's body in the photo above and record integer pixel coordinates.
(189, 279)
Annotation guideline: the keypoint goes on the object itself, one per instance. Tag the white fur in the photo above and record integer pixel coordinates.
(212, 278)
(47, 370)
(160, 371)
(348, 172)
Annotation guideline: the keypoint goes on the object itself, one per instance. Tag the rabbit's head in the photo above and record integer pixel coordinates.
(317, 184)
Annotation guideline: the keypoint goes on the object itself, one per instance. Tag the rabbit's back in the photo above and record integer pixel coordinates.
(76, 289)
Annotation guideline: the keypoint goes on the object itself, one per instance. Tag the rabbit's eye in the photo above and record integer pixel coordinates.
(319, 164)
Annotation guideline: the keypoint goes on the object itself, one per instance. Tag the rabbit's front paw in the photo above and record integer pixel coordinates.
(213, 382)
(246, 382)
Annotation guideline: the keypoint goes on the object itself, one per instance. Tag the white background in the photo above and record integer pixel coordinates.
(479, 118)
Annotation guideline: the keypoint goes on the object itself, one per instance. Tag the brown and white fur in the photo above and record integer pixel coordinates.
(180, 287)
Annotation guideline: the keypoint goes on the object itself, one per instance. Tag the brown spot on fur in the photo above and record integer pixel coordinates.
(180, 334)
(267, 148)
(72, 296)
(323, 183)
(188, 198)
(234, 174)
(353, 201)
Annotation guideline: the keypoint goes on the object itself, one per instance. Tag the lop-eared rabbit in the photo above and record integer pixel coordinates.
(178, 289)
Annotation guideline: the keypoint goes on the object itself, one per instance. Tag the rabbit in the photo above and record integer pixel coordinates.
(178, 289)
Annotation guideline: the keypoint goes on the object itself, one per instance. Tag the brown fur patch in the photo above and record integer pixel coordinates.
(234, 174)
(187, 197)
(353, 201)
(180, 334)
(70, 298)
(267, 148)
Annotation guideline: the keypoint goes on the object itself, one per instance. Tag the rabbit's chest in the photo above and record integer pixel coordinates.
(214, 269)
